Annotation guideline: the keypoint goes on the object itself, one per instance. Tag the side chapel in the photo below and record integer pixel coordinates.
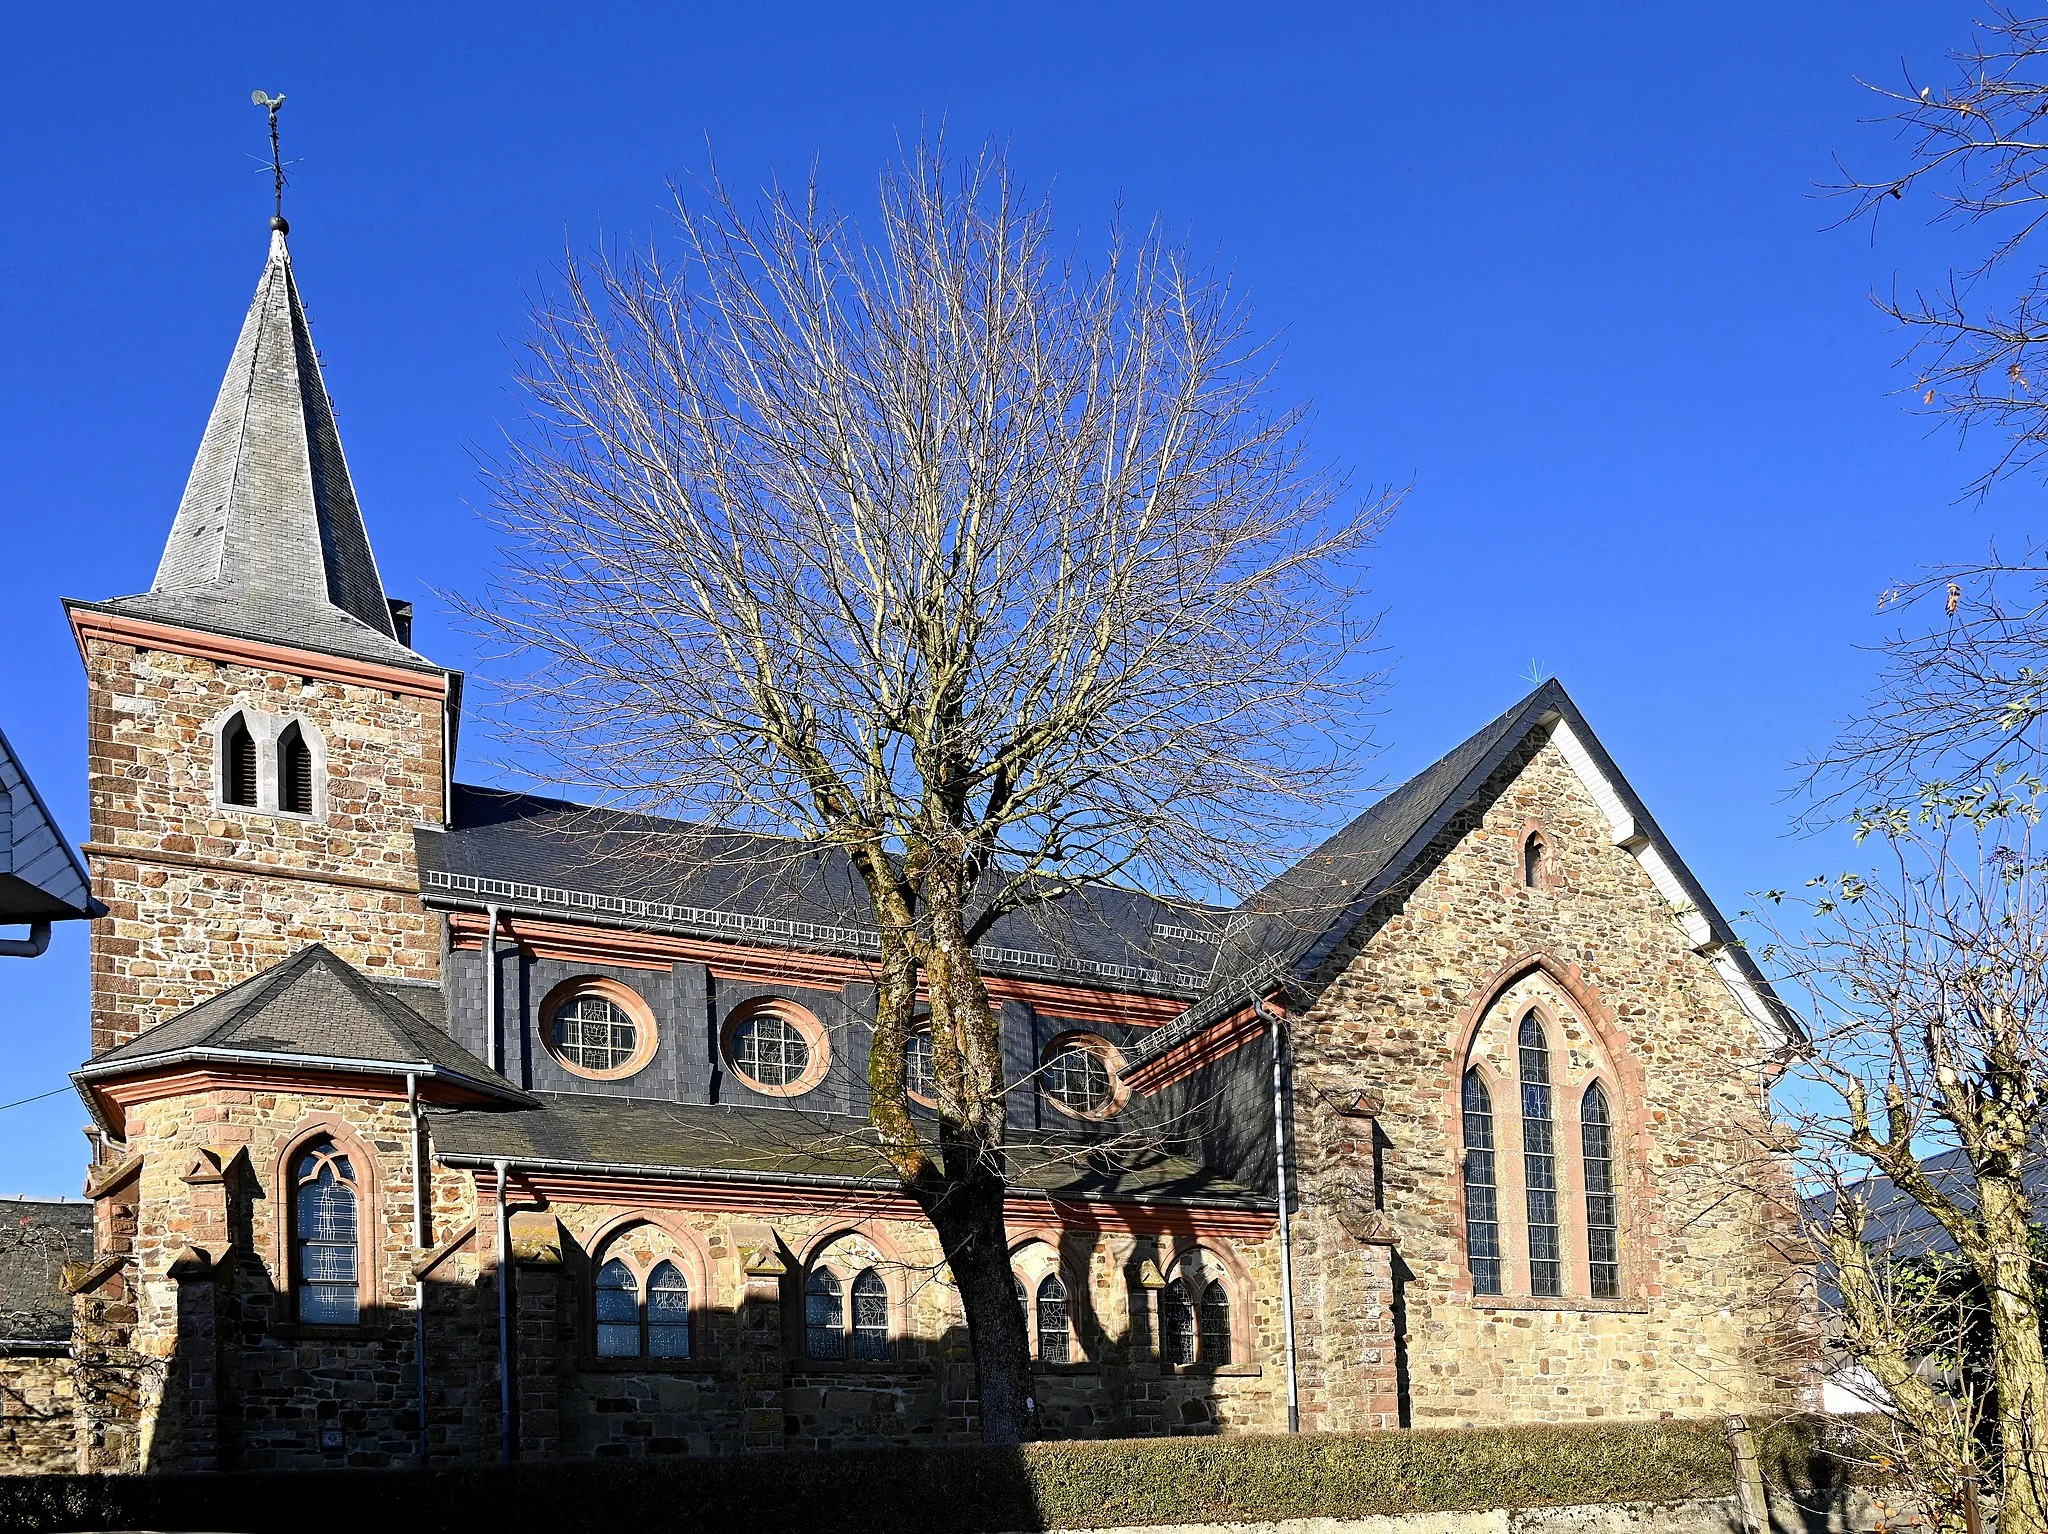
(434, 1122)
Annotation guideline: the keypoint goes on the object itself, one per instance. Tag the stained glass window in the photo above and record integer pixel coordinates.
(824, 1317)
(595, 1033)
(1596, 1144)
(770, 1050)
(1078, 1079)
(618, 1311)
(1054, 1339)
(1179, 1334)
(1215, 1323)
(324, 1236)
(870, 1316)
(1482, 1203)
(668, 1313)
(1539, 1162)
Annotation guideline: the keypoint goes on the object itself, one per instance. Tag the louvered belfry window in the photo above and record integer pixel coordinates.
(1539, 1162)
(294, 772)
(237, 763)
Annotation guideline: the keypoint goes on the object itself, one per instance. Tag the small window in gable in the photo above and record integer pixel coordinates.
(237, 763)
(1535, 860)
(294, 771)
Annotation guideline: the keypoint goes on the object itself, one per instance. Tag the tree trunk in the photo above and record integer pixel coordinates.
(968, 1216)
(2017, 1362)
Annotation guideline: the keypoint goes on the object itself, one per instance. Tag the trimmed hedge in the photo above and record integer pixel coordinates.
(957, 1491)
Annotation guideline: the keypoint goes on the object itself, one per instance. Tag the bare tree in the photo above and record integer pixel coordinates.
(1926, 985)
(995, 574)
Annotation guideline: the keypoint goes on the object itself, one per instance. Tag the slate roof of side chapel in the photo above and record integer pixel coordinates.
(41, 878)
(268, 542)
(313, 1006)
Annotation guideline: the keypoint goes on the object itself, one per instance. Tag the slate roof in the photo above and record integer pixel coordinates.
(769, 1145)
(314, 1008)
(541, 854)
(268, 542)
(41, 878)
(37, 1238)
(1280, 938)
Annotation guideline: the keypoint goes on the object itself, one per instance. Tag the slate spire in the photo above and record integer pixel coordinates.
(269, 520)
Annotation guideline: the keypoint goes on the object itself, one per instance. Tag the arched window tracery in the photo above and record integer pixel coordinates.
(870, 1316)
(668, 1312)
(1603, 1246)
(1539, 1161)
(326, 1253)
(1482, 1193)
(1055, 1338)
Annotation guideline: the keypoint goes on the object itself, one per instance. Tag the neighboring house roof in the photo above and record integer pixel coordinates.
(313, 1010)
(41, 878)
(609, 1135)
(268, 542)
(1281, 938)
(548, 855)
(37, 1239)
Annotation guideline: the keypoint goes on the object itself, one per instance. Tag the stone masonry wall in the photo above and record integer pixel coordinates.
(1708, 1319)
(191, 920)
(38, 1426)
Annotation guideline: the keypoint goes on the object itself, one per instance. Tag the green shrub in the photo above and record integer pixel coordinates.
(954, 1491)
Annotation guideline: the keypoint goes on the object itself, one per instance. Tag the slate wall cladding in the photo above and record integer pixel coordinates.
(1709, 1318)
(177, 930)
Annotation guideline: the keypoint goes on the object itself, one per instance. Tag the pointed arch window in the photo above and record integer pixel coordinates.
(668, 1312)
(1482, 1192)
(237, 763)
(1596, 1147)
(618, 1311)
(870, 1316)
(1055, 1341)
(824, 1316)
(294, 771)
(1535, 856)
(1214, 1318)
(325, 1245)
(1179, 1330)
(1539, 1161)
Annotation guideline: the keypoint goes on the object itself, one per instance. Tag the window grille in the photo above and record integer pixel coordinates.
(770, 1050)
(870, 1316)
(1539, 1163)
(595, 1033)
(1179, 1336)
(1054, 1337)
(1078, 1079)
(1482, 1194)
(618, 1311)
(1596, 1143)
(824, 1317)
(1215, 1323)
(324, 1235)
(668, 1313)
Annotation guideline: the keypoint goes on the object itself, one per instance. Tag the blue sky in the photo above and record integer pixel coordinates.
(1560, 268)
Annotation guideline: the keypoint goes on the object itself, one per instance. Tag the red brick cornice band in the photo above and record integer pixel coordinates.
(89, 624)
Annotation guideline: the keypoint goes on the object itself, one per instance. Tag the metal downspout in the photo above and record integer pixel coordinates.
(504, 1319)
(1276, 1029)
(493, 1051)
(421, 1238)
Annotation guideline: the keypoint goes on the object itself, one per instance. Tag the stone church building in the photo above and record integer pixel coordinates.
(438, 1122)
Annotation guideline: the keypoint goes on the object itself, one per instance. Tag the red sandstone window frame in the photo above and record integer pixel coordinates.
(646, 1036)
(369, 1186)
(1034, 1258)
(607, 1244)
(795, 1015)
(1197, 1264)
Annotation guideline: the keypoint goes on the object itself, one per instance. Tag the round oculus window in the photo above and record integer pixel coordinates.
(777, 1049)
(1079, 1077)
(596, 1034)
